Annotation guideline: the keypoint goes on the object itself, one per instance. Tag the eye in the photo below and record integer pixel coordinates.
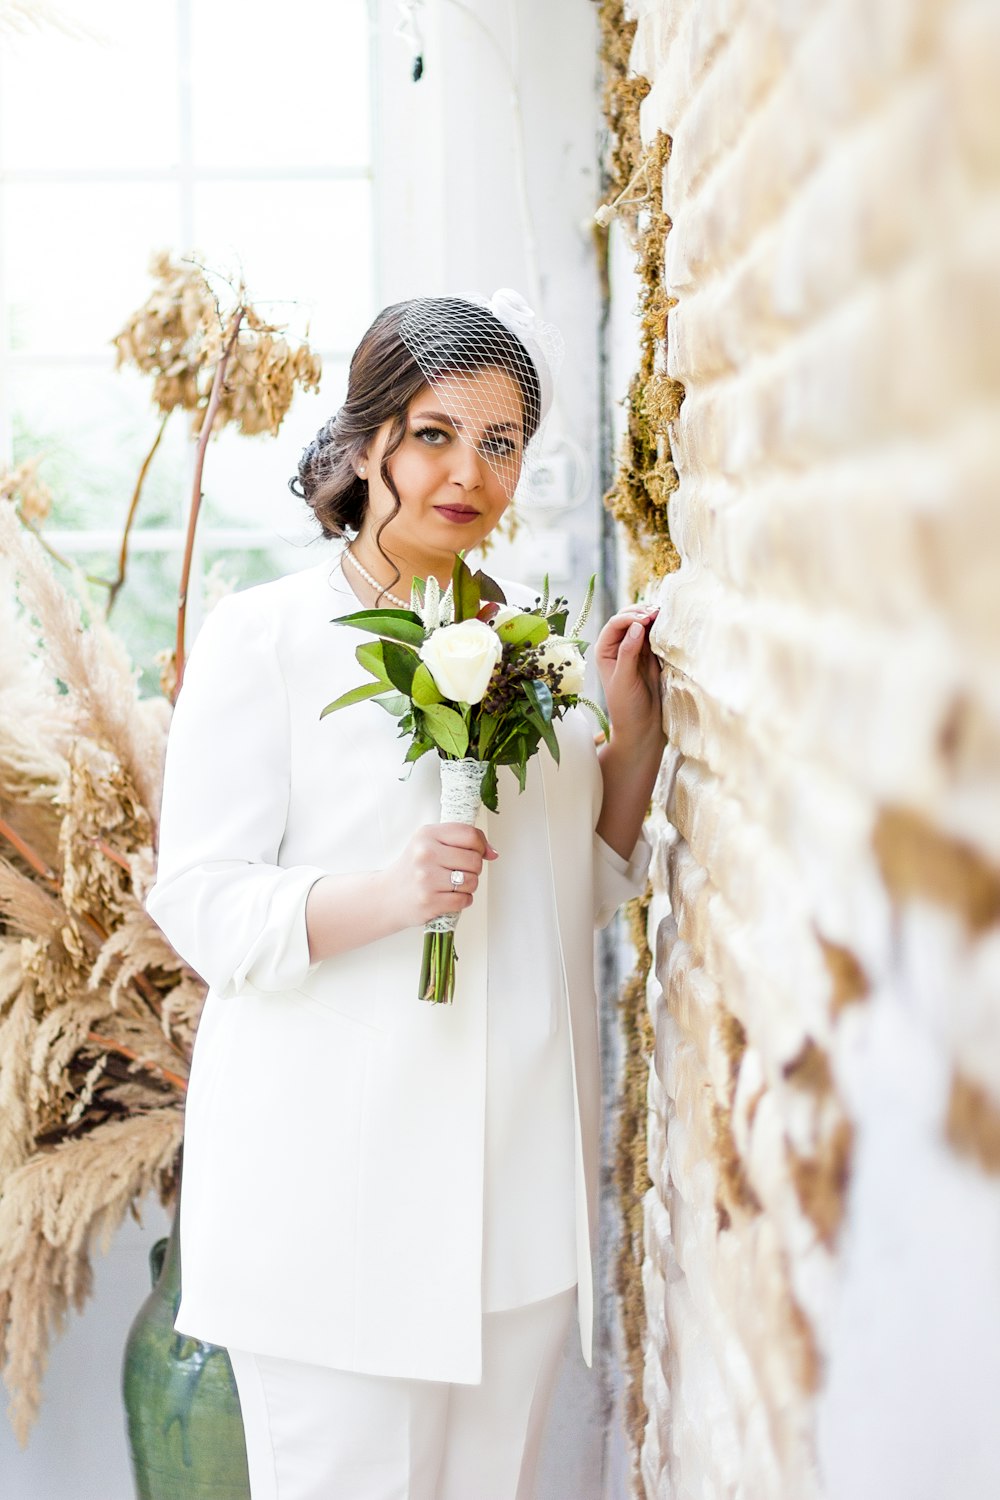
(501, 447)
(434, 437)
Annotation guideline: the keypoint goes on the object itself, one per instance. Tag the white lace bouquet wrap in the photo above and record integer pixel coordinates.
(461, 800)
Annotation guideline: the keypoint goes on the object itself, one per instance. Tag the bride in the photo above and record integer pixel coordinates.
(389, 1208)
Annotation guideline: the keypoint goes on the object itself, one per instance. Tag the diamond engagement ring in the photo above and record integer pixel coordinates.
(457, 879)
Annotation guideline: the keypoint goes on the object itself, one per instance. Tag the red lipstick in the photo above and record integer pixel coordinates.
(460, 514)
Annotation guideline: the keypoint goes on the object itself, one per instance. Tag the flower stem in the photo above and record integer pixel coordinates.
(174, 1079)
(115, 583)
(28, 854)
(437, 968)
(214, 398)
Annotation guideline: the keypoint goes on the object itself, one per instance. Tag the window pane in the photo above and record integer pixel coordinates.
(243, 567)
(246, 478)
(307, 244)
(280, 88)
(94, 428)
(103, 97)
(77, 259)
(145, 612)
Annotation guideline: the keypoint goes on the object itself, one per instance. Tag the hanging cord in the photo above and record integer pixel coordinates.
(565, 454)
(608, 211)
(408, 30)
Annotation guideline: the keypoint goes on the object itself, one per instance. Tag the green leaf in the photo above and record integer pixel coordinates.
(521, 741)
(547, 733)
(539, 695)
(417, 749)
(424, 690)
(400, 664)
(557, 621)
(393, 703)
(488, 790)
(523, 630)
(487, 728)
(369, 654)
(392, 625)
(447, 728)
(465, 590)
(489, 589)
(356, 695)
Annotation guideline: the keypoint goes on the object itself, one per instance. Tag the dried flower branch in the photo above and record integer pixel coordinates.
(94, 1041)
(97, 1013)
(231, 367)
(214, 401)
(115, 584)
(179, 336)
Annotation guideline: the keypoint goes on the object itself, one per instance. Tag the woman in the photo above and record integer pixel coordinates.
(388, 1206)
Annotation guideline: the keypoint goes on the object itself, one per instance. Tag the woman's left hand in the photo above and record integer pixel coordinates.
(630, 676)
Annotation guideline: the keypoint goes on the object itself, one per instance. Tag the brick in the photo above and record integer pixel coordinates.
(830, 806)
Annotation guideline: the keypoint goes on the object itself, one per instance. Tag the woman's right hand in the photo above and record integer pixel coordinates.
(418, 883)
(347, 911)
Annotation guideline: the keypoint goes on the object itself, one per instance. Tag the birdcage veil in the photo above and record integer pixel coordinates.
(463, 343)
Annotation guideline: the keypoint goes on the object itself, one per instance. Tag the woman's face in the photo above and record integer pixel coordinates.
(456, 468)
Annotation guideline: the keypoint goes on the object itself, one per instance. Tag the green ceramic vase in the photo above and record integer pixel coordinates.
(185, 1430)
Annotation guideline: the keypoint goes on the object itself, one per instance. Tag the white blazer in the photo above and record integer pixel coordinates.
(332, 1200)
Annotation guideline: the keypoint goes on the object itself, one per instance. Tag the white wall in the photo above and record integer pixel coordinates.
(452, 217)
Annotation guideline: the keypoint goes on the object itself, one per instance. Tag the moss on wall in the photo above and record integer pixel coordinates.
(646, 477)
(632, 1166)
(638, 499)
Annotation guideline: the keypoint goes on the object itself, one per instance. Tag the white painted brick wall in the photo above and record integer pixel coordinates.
(829, 810)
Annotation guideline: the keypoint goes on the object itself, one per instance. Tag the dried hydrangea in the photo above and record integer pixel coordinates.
(30, 495)
(179, 334)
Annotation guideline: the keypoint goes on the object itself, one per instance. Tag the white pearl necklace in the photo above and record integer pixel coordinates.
(379, 590)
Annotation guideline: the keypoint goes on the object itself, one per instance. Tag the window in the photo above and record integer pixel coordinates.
(191, 125)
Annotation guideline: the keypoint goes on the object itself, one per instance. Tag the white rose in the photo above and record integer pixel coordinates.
(561, 664)
(461, 659)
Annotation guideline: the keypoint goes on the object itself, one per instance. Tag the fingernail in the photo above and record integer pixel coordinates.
(635, 630)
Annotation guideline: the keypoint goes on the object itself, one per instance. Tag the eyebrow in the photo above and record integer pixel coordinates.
(440, 416)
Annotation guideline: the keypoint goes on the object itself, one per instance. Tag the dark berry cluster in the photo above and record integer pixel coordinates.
(505, 685)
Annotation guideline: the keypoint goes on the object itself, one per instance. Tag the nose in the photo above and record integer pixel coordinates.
(466, 467)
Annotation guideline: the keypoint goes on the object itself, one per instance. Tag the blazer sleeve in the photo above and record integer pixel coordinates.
(617, 880)
(221, 897)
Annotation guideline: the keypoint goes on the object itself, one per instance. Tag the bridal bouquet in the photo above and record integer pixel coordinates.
(480, 682)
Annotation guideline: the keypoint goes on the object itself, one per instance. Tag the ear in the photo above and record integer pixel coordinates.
(359, 463)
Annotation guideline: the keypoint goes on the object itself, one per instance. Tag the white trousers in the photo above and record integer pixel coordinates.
(319, 1434)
